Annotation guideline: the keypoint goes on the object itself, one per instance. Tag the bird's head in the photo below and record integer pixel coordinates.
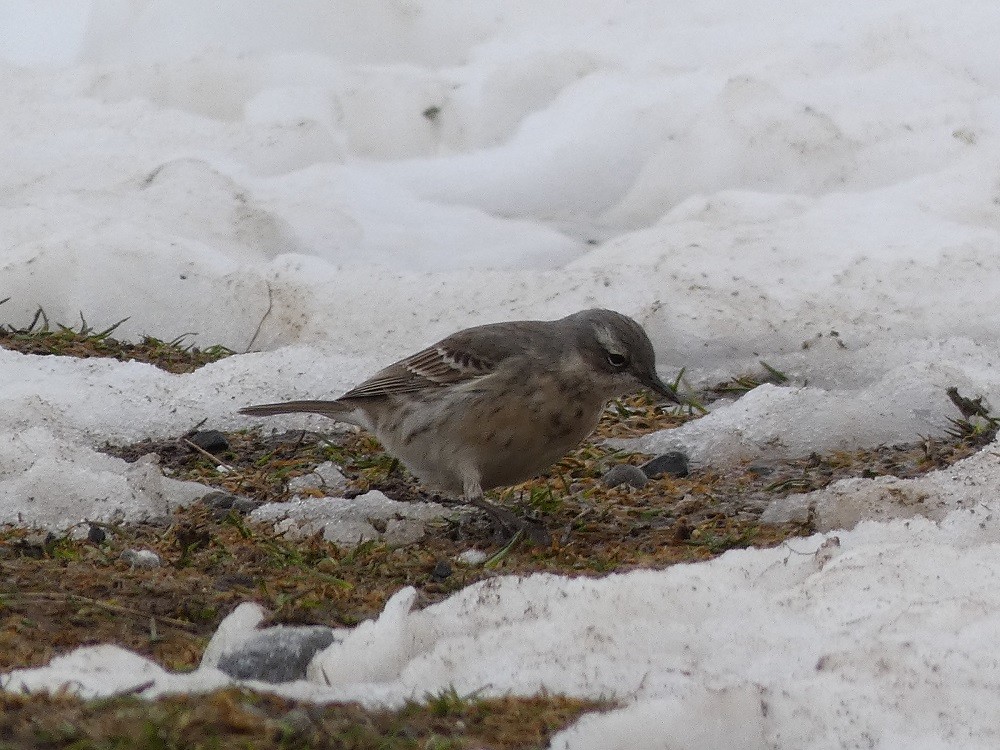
(619, 351)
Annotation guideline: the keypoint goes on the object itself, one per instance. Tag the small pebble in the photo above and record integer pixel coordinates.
(472, 557)
(633, 476)
(441, 570)
(96, 534)
(40, 538)
(222, 502)
(141, 558)
(212, 441)
(673, 463)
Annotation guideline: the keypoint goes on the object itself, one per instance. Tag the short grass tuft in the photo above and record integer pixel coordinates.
(39, 337)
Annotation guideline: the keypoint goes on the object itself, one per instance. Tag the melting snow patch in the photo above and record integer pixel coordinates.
(355, 520)
(970, 485)
(52, 483)
(785, 421)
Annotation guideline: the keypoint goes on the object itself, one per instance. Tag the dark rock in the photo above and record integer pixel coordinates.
(96, 534)
(673, 463)
(221, 503)
(212, 441)
(441, 570)
(278, 654)
(633, 476)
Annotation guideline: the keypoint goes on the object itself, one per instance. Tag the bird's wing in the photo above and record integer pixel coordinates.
(443, 364)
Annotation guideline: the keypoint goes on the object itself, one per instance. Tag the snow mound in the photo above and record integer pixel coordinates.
(50, 483)
(968, 485)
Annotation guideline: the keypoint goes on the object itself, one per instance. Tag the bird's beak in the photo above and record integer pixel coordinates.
(657, 386)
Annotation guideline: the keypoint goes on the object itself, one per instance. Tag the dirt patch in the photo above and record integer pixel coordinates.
(242, 719)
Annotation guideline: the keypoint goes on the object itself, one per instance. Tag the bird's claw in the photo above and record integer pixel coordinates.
(508, 524)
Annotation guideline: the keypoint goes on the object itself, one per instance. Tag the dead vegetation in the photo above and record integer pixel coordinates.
(243, 719)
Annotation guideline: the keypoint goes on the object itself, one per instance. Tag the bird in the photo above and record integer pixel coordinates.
(497, 404)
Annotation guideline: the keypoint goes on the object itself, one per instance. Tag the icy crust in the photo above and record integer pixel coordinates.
(859, 401)
(785, 422)
(92, 401)
(883, 633)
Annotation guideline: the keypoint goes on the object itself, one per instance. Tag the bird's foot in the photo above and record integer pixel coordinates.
(508, 525)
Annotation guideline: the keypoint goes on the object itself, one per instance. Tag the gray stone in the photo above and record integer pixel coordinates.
(633, 476)
(278, 654)
(674, 463)
(141, 558)
(348, 522)
(472, 557)
(222, 503)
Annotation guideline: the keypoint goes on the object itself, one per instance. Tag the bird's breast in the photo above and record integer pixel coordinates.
(519, 438)
(503, 434)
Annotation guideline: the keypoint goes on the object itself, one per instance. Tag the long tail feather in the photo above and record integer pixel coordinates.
(332, 409)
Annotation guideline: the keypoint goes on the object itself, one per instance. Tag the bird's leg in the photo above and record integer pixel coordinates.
(505, 521)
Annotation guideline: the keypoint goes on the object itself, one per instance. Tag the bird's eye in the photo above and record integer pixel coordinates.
(617, 360)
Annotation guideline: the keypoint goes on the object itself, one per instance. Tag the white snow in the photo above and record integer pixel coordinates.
(358, 180)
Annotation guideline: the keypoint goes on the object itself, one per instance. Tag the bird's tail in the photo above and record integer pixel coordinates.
(332, 409)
